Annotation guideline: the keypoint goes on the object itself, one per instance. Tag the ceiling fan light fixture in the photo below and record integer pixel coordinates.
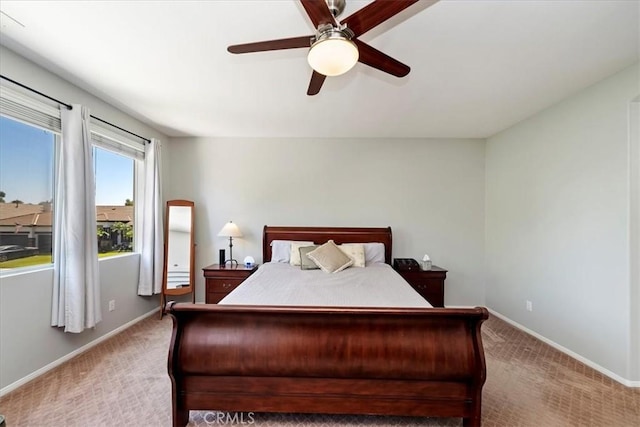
(333, 53)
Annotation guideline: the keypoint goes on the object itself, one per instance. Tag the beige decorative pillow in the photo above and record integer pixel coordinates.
(307, 263)
(330, 258)
(294, 254)
(355, 251)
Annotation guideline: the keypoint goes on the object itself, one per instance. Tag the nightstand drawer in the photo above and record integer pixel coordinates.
(225, 285)
(431, 291)
(215, 297)
(429, 284)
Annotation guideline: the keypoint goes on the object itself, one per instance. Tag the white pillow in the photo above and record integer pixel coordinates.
(373, 253)
(330, 258)
(355, 251)
(294, 252)
(281, 250)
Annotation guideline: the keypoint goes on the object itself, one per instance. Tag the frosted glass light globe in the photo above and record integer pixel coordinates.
(333, 55)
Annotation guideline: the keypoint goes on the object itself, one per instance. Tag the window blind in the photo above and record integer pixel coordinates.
(26, 108)
(22, 107)
(115, 141)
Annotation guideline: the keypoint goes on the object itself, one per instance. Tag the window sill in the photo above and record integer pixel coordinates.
(10, 272)
(122, 255)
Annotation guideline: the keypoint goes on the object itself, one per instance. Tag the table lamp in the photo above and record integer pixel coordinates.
(230, 230)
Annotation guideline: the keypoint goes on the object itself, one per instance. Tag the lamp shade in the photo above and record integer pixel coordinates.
(333, 55)
(230, 230)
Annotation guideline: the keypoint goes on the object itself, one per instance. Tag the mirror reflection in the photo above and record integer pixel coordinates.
(178, 247)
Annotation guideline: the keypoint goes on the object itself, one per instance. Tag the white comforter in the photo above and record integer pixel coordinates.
(376, 285)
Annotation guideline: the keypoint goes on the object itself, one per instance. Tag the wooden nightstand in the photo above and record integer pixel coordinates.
(428, 283)
(222, 280)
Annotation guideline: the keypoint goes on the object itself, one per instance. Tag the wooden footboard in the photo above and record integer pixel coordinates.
(394, 361)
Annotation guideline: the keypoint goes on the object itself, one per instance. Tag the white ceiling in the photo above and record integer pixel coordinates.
(477, 67)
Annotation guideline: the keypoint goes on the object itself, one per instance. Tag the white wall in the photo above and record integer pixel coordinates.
(558, 223)
(27, 341)
(431, 192)
(634, 227)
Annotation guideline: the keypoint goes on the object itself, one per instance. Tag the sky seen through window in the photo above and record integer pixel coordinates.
(26, 167)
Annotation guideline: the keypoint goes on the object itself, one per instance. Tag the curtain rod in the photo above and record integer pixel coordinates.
(70, 107)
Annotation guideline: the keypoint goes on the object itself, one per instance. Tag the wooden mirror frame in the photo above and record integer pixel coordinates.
(182, 290)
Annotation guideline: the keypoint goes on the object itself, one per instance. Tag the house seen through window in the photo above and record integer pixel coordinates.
(27, 169)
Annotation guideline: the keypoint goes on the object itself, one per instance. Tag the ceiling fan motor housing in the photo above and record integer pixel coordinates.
(330, 31)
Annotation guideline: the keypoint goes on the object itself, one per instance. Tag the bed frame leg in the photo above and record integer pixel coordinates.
(180, 417)
(473, 421)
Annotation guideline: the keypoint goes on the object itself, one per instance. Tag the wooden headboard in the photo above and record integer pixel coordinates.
(320, 235)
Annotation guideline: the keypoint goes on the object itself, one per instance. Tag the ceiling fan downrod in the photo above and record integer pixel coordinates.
(336, 7)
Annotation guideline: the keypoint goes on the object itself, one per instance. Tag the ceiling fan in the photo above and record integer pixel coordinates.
(335, 47)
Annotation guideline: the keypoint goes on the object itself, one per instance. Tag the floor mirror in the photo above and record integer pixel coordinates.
(179, 252)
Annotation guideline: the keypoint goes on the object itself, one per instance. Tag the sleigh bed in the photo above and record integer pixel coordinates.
(410, 361)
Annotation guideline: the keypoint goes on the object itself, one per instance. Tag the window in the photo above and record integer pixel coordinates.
(115, 158)
(26, 194)
(29, 132)
(114, 201)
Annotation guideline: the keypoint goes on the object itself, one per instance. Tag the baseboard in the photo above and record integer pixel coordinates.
(73, 354)
(589, 363)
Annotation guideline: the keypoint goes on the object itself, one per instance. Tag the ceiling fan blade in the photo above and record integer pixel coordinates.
(291, 43)
(383, 62)
(374, 14)
(316, 82)
(318, 12)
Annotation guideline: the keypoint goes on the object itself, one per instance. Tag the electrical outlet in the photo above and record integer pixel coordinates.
(112, 305)
(529, 306)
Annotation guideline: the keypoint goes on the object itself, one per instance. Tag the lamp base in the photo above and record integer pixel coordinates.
(230, 261)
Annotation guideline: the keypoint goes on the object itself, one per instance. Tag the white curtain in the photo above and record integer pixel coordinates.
(150, 210)
(76, 289)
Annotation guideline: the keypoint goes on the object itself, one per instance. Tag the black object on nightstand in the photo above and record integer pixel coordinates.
(428, 283)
